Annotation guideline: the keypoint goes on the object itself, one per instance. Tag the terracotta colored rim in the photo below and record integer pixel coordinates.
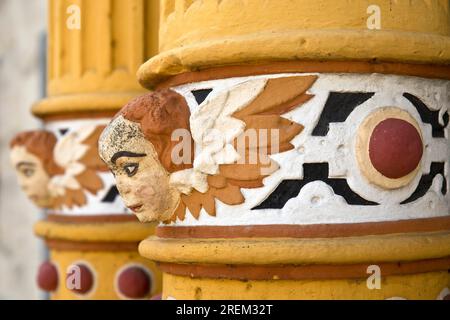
(303, 272)
(404, 69)
(91, 246)
(91, 218)
(306, 231)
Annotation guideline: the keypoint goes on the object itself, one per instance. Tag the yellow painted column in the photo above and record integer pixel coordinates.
(340, 218)
(94, 50)
(92, 66)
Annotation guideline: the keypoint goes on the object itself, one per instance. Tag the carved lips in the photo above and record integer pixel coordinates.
(135, 208)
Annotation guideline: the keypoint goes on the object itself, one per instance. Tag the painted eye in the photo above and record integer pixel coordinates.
(28, 172)
(131, 169)
(390, 148)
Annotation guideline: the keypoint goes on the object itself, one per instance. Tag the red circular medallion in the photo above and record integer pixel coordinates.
(81, 279)
(395, 148)
(47, 278)
(134, 283)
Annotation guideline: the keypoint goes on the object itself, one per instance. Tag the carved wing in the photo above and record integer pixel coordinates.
(213, 130)
(222, 125)
(77, 154)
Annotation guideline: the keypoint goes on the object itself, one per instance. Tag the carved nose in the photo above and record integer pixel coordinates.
(124, 190)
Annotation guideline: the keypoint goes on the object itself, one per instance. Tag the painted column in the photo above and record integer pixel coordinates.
(94, 51)
(350, 199)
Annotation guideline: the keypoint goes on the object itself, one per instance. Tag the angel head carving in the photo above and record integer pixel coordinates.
(169, 160)
(56, 174)
(32, 158)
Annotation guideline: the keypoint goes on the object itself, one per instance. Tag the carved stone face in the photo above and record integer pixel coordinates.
(33, 178)
(141, 180)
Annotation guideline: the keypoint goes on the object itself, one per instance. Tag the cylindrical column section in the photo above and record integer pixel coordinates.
(94, 51)
(341, 188)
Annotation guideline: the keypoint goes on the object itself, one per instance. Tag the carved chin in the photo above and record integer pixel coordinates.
(147, 216)
(151, 216)
(44, 203)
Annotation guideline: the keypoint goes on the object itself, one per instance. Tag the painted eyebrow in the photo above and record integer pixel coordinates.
(23, 163)
(126, 154)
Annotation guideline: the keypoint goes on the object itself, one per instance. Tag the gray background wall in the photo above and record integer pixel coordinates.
(22, 23)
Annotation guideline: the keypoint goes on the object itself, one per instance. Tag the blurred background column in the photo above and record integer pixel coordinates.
(24, 24)
(94, 50)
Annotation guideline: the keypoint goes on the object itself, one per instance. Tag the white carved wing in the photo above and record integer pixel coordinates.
(213, 130)
(67, 154)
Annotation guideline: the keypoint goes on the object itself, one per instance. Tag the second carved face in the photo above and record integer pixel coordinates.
(28, 159)
(56, 174)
